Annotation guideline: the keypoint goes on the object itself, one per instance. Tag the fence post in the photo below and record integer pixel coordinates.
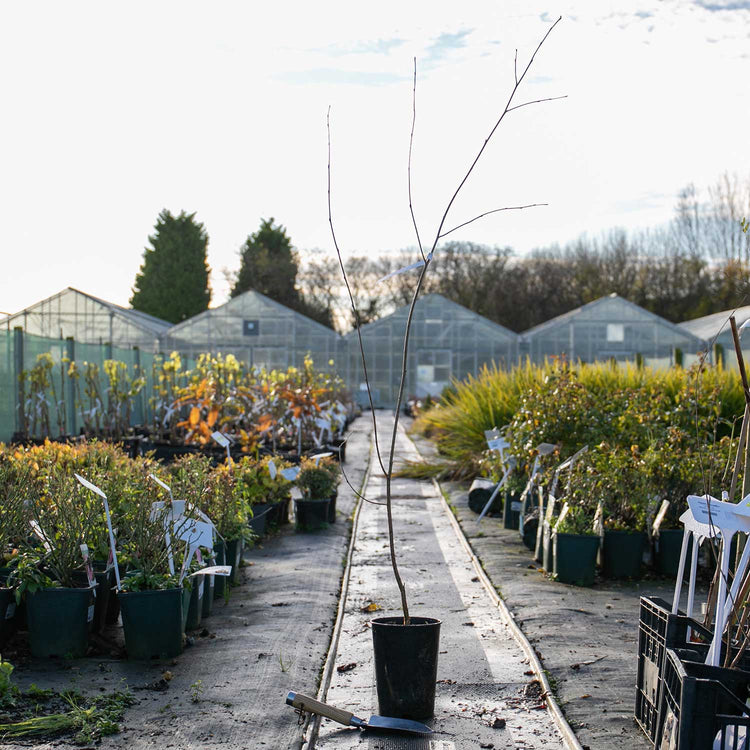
(17, 370)
(70, 390)
(138, 416)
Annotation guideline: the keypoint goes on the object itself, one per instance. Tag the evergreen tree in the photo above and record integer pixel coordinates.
(269, 265)
(172, 283)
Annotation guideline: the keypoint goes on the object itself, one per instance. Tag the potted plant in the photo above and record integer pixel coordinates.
(59, 607)
(317, 481)
(152, 602)
(406, 647)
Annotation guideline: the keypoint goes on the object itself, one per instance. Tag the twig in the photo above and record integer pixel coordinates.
(537, 101)
(493, 211)
(411, 143)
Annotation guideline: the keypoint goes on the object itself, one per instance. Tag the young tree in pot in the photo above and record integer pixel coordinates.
(399, 642)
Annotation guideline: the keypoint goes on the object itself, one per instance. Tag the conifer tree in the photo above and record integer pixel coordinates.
(172, 283)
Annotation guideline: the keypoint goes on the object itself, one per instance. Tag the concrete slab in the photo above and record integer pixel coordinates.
(484, 678)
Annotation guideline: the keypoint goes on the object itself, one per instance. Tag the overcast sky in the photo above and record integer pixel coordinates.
(112, 112)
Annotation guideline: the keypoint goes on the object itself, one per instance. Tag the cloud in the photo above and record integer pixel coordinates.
(338, 76)
(369, 47)
(725, 5)
(444, 44)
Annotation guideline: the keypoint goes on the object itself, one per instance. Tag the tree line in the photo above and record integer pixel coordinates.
(696, 265)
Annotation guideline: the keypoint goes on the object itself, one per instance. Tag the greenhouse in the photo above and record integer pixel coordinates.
(257, 331)
(611, 328)
(89, 320)
(716, 331)
(447, 341)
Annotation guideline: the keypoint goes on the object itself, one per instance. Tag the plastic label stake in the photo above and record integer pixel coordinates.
(89, 486)
(272, 469)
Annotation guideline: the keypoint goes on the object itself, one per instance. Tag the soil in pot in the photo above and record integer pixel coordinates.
(59, 621)
(312, 515)
(406, 658)
(622, 553)
(152, 623)
(574, 558)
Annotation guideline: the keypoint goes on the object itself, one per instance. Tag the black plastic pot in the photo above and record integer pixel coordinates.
(668, 547)
(311, 514)
(332, 507)
(622, 553)
(104, 591)
(195, 603)
(221, 582)
(152, 623)
(406, 658)
(234, 557)
(208, 595)
(480, 493)
(283, 512)
(574, 558)
(511, 510)
(261, 513)
(59, 621)
(7, 614)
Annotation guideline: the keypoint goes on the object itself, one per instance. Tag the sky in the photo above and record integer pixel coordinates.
(113, 112)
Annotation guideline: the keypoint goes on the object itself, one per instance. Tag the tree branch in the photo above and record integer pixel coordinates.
(537, 101)
(411, 143)
(494, 211)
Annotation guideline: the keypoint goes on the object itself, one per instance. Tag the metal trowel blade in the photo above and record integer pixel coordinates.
(398, 725)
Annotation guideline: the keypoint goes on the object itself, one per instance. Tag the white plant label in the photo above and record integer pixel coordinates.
(89, 486)
(87, 567)
(220, 438)
(660, 516)
(491, 434)
(213, 570)
(410, 267)
(90, 614)
(712, 512)
(290, 474)
(196, 533)
(498, 444)
(318, 456)
(39, 534)
(323, 423)
(272, 469)
(563, 513)
(296, 493)
(162, 484)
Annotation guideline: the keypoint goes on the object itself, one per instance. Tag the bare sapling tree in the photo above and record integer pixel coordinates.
(423, 265)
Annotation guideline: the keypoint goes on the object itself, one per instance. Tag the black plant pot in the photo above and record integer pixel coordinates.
(332, 507)
(668, 548)
(574, 558)
(311, 514)
(59, 621)
(7, 614)
(406, 658)
(511, 510)
(622, 553)
(261, 514)
(152, 622)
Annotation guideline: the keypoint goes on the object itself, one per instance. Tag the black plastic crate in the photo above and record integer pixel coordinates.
(658, 630)
(702, 707)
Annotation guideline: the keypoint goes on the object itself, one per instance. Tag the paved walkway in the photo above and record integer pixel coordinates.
(487, 694)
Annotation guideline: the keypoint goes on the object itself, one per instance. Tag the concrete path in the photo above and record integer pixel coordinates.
(487, 693)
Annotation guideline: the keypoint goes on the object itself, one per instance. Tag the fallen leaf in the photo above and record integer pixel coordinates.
(166, 675)
(346, 667)
(371, 607)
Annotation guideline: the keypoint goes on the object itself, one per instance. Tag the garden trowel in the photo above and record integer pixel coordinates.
(305, 703)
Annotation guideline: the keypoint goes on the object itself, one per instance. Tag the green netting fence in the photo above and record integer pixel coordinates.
(62, 403)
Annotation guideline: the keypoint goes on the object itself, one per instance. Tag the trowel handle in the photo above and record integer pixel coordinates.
(305, 703)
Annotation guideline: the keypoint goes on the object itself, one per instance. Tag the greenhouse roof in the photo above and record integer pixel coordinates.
(238, 302)
(603, 302)
(710, 326)
(149, 323)
(446, 304)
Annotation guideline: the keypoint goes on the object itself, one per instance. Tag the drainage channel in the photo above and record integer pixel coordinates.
(488, 694)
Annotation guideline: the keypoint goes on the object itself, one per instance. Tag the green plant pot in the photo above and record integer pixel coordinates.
(312, 515)
(152, 623)
(59, 621)
(7, 614)
(195, 603)
(668, 548)
(622, 554)
(187, 592)
(208, 595)
(574, 558)
(104, 591)
(511, 510)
